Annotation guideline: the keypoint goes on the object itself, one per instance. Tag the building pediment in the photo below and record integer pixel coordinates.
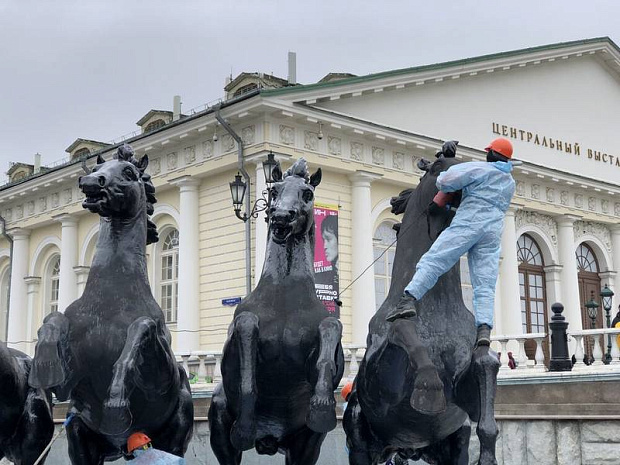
(558, 103)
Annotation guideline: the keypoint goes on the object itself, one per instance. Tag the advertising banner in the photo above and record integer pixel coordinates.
(326, 256)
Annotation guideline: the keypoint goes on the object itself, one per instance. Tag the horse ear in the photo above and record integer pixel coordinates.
(143, 163)
(315, 179)
(100, 160)
(276, 174)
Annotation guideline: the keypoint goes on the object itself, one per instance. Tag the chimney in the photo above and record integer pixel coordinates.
(176, 107)
(292, 68)
(37, 163)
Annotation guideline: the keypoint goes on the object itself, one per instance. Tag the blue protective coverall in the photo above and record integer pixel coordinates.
(476, 229)
(155, 457)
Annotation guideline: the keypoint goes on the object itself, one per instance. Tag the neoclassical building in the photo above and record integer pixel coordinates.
(561, 240)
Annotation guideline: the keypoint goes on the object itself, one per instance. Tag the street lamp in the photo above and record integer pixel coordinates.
(238, 188)
(592, 309)
(606, 298)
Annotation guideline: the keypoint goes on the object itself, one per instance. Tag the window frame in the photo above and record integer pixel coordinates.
(170, 284)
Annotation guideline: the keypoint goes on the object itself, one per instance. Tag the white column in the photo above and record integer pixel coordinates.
(260, 225)
(17, 330)
(553, 278)
(498, 326)
(570, 283)
(81, 273)
(32, 324)
(67, 286)
(188, 316)
(362, 292)
(509, 271)
(615, 256)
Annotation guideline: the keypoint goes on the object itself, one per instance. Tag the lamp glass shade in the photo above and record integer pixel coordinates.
(237, 191)
(592, 307)
(268, 167)
(606, 297)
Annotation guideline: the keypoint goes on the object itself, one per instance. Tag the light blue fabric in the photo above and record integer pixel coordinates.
(155, 457)
(476, 229)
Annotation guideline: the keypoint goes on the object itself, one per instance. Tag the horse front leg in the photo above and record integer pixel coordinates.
(116, 415)
(329, 367)
(485, 367)
(48, 370)
(243, 347)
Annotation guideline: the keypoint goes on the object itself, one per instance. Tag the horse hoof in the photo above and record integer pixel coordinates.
(116, 419)
(322, 414)
(46, 374)
(428, 397)
(242, 436)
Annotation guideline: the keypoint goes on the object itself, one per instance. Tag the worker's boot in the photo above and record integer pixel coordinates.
(404, 309)
(484, 335)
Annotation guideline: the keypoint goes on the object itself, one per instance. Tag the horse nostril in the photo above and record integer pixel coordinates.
(101, 180)
(292, 214)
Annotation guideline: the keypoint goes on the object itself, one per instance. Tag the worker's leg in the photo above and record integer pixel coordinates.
(443, 254)
(484, 267)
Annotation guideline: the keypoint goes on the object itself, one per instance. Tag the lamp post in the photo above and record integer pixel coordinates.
(592, 309)
(606, 299)
(238, 188)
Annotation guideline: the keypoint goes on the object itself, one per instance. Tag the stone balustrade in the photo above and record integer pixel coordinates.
(204, 367)
(500, 344)
(592, 338)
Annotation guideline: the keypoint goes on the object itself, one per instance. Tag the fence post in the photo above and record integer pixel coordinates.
(560, 358)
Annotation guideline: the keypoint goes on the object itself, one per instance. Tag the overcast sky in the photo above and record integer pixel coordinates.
(91, 69)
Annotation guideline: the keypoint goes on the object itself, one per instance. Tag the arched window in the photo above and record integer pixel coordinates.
(153, 125)
(589, 281)
(83, 152)
(384, 238)
(586, 260)
(169, 277)
(531, 285)
(53, 284)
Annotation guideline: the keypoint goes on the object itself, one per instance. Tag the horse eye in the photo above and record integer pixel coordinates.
(130, 174)
(308, 196)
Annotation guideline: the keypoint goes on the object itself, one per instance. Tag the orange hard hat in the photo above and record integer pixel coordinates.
(137, 440)
(501, 146)
(346, 390)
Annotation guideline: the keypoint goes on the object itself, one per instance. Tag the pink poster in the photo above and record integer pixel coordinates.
(326, 256)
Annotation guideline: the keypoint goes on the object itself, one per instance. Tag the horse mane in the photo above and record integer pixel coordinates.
(126, 153)
(300, 169)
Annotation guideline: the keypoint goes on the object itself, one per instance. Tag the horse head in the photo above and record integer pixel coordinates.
(120, 188)
(418, 201)
(292, 202)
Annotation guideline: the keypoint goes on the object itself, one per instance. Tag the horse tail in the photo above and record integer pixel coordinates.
(399, 203)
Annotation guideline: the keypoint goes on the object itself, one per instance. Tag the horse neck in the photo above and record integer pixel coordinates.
(121, 251)
(413, 242)
(293, 260)
(11, 384)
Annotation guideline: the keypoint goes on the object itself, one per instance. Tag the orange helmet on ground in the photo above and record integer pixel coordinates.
(501, 146)
(346, 390)
(137, 440)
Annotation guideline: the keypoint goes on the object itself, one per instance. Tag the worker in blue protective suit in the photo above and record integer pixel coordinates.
(476, 229)
(140, 447)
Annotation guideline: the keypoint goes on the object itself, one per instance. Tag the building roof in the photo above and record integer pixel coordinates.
(79, 141)
(441, 66)
(330, 77)
(16, 165)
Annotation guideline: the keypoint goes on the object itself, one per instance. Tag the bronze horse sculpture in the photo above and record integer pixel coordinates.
(26, 424)
(283, 357)
(379, 420)
(109, 353)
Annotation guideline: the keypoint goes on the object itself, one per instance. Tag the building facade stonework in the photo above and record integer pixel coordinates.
(564, 203)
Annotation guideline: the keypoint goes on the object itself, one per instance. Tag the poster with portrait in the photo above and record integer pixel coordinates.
(326, 256)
